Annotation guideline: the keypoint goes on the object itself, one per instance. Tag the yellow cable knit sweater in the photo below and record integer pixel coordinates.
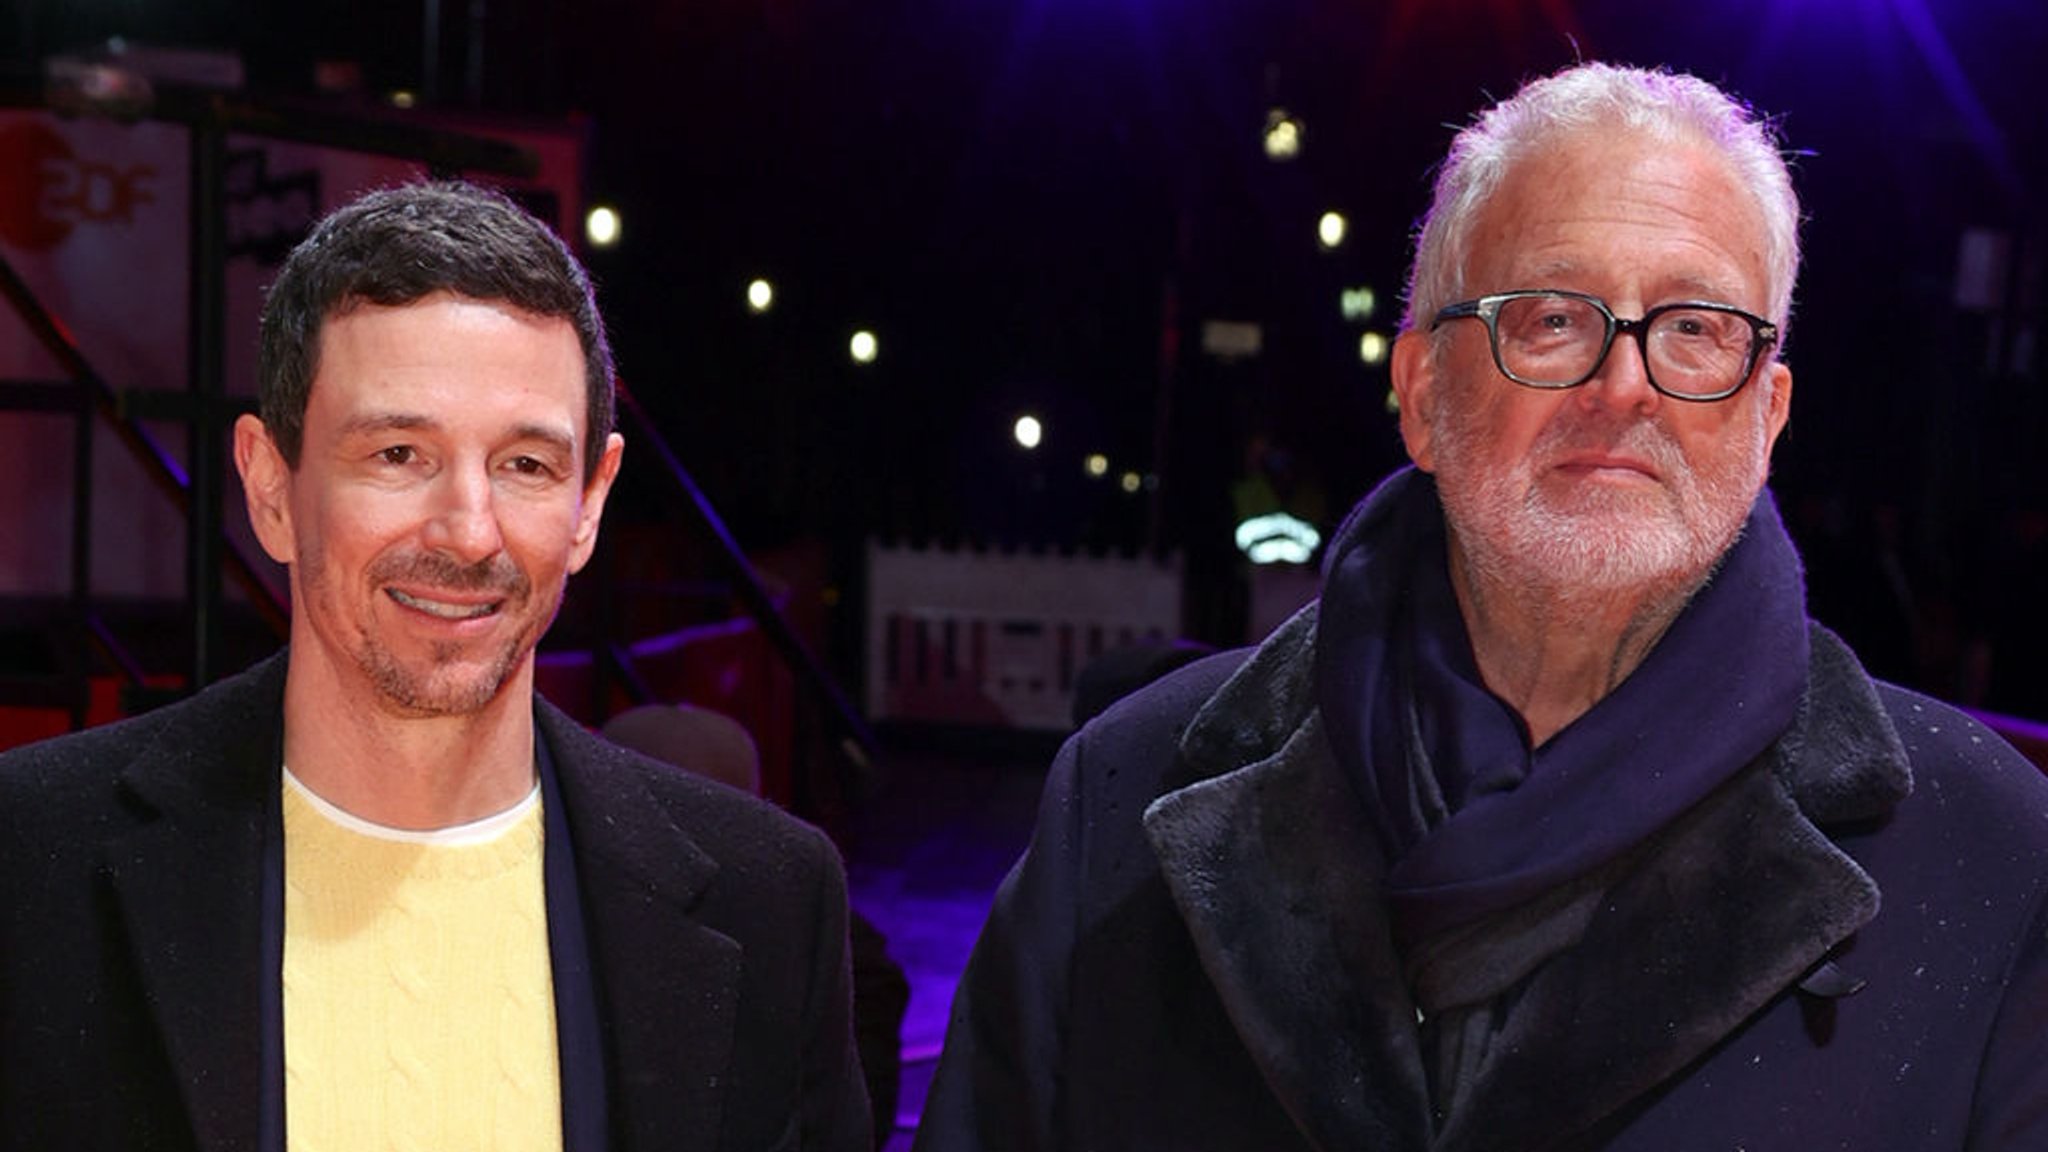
(418, 1001)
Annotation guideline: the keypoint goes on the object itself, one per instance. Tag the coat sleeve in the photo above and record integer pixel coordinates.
(834, 1094)
(1000, 1079)
(2010, 1112)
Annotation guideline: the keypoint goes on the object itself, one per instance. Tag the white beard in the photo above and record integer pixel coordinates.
(1523, 528)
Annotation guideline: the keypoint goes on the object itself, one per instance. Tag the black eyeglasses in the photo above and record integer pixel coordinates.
(1555, 339)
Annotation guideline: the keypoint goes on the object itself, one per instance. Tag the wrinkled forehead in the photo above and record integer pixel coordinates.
(1668, 213)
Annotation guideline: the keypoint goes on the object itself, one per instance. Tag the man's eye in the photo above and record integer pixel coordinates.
(528, 466)
(398, 454)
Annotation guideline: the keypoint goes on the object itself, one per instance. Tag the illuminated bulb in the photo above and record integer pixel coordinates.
(1358, 303)
(863, 347)
(1097, 465)
(1372, 348)
(1028, 432)
(601, 227)
(1283, 135)
(1330, 229)
(760, 295)
(1130, 481)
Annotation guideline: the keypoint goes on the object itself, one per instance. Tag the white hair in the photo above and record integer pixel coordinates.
(1666, 106)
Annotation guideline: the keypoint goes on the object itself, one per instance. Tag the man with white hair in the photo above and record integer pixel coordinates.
(1555, 823)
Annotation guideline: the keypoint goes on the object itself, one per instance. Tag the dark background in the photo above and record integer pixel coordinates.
(1036, 204)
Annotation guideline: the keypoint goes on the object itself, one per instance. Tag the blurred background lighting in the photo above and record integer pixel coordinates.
(1097, 465)
(863, 347)
(1028, 432)
(1330, 229)
(1372, 348)
(1358, 303)
(1283, 135)
(1130, 481)
(1277, 538)
(601, 226)
(760, 295)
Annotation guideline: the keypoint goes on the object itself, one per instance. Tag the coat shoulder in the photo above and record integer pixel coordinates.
(734, 828)
(41, 783)
(1967, 764)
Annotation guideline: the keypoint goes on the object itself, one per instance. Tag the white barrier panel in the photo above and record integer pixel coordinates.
(997, 638)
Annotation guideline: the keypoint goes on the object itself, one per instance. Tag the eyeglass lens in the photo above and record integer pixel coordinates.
(1556, 341)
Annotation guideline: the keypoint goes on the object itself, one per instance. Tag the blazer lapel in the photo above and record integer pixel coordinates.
(668, 986)
(1276, 874)
(186, 876)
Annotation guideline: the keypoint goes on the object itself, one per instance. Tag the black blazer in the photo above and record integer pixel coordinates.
(130, 861)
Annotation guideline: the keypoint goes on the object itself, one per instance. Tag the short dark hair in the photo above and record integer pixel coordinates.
(397, 245)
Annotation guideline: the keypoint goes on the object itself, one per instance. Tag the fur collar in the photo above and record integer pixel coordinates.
(1275, 869)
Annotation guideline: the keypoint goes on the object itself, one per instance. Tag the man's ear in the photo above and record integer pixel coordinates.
(594, 493)
(1414, 373)
(267, 487)
(1780, 380)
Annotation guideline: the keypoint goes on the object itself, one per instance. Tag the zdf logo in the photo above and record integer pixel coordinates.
(46, 189)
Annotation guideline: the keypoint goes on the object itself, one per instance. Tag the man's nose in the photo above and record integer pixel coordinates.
(464, 521)
(1622, 380)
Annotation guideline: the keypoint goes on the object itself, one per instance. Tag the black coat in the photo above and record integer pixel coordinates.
(1194, 954)
(129, 950)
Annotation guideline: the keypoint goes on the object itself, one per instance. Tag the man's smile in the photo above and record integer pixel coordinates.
(446, 609)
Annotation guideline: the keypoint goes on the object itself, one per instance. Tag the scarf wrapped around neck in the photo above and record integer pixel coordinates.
(1475, 820)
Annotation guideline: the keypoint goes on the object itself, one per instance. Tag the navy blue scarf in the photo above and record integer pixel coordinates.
(1476, 822)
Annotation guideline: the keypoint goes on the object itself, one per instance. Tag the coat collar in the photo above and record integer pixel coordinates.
(1275, 869)
(668, 984)
(186, 874)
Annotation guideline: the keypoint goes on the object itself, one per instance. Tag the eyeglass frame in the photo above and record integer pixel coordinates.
(1486, 309)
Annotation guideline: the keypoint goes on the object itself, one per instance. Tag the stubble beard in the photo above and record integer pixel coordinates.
(1519, 528)
(452, 680)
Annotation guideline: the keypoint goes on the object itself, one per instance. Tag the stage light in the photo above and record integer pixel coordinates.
(601, 227)
(1372, 348)
(1130, 482)
(1097, 465)
(1029, 433)
(864, 347)
(403, 99)
(1283, 135)
(1358, 303)
(1330, 229)
(760, 295)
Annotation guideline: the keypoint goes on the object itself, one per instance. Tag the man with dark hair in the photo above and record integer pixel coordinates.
(1555, 823)
(374, 892)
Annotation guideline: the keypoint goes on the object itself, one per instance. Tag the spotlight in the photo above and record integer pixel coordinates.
(601, 226)
(760, 296)
(1330, 229)
(863, 347)
(1283, 136)
(1029, 433)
